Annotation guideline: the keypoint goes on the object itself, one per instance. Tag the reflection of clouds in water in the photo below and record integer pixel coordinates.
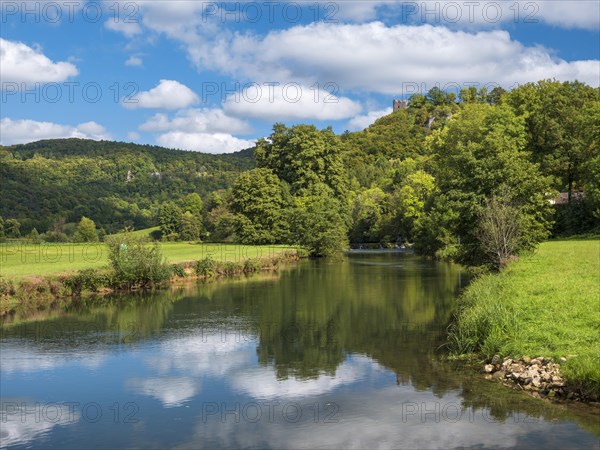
(372, 419)
(212, 355)
(201, 355)
(262, 382)
(23, 358)
(19, 426)
(180, 364)
(171, 391)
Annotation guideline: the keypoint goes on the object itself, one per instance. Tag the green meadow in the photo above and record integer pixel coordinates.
(25, 260)
(545, 304)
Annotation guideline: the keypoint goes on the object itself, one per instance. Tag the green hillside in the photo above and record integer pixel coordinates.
(114, 183)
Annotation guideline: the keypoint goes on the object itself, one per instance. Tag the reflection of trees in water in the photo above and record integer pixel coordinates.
(320, 311)
(106, 320)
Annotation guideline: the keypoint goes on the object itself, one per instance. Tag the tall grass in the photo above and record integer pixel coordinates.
(546, 304)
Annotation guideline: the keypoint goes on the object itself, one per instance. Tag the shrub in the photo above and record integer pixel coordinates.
(206, 266)
(7, 288)
(178, 270)
(156, 235)
(252, 265)
(87, 279)
(135, 263)
(230, 268)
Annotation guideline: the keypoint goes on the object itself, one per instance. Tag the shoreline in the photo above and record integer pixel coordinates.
(543, 304)
(40, 292)
(538, 377)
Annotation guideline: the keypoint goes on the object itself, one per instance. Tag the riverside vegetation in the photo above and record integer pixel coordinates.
(544, 305)
(133, 263)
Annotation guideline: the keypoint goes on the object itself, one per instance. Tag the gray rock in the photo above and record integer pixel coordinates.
(496, 359)
(498, 375)
(546, 376)
(488, 368)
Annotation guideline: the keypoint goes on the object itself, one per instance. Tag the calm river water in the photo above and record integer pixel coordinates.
(318, 355)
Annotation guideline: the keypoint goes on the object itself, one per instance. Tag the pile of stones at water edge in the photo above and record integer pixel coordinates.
(540, 376)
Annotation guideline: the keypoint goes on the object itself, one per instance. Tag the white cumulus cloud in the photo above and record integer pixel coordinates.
(23, 131)
(378, 58)
(581, 14)
(203, 142)
(363, 121)
(23, 64)
(168, 94)
(291, 101)
(197, 121)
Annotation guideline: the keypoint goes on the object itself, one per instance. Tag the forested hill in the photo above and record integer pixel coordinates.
(431, 174)
(116, 184)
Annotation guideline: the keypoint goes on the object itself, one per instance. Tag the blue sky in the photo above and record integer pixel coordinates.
(215, 76)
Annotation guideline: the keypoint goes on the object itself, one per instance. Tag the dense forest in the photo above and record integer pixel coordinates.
(476, 177)
(115, 184)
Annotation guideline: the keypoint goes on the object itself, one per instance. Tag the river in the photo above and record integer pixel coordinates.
(321, 354)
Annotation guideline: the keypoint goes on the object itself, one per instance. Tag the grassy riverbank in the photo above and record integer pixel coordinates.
(35, 277)
(20, 261)
(546, 304)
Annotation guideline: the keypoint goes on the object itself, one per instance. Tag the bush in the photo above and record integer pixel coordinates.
(156, 235)
(230, 268)
(252, 265)
(206, 267)
(87, 279)
(178, 270)
(86, 231)
(135, 263)
(7, 288)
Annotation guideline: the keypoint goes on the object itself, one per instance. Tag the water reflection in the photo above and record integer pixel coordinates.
(25, 421)
(325, 354)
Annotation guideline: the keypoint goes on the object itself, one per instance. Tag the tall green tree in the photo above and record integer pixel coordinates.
(368, 209)
(410, 199)
(169, 219)
(304, 156)
(261, 199)
(12, 228)
(34, 236)
(319, 225)
(436, 96)
(189, 227)
(192, 203)
(480, 153)
(554, 114)
(85, 231)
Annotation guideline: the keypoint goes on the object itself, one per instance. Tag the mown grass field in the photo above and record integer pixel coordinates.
(546, 304)
(22, 260)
